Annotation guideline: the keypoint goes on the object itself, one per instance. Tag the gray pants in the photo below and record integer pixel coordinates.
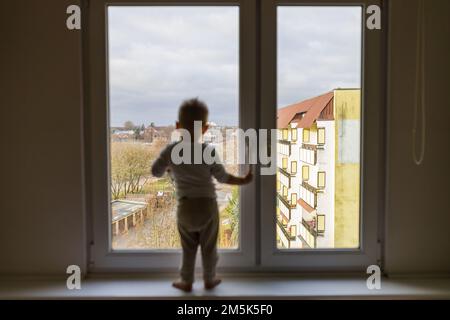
(198, 225)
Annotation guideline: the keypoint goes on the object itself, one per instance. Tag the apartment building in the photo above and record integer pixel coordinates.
(318, 156)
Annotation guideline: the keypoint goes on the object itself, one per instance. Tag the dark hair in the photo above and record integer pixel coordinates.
(192, 110)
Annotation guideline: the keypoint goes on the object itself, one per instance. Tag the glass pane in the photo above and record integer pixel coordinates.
(158, 57)
(319, 95)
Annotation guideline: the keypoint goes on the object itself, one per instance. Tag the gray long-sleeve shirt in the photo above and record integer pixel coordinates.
(191, 180)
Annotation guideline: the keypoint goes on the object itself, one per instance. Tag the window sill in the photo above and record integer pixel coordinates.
(233, 287)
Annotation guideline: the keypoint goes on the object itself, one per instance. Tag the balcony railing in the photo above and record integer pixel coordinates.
(309, 146)
(283, 141)
(285, 232)
(285, 147)
(305, 151)
(286, 202)
(309, 187)
(310, 226)
(286, 173)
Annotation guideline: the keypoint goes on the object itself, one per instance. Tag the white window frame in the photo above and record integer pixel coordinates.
(102, 257)
(257, 83)
(372, 99)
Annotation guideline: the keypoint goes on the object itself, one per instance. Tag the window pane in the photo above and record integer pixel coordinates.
(305, 135)
(321, 179)
(305, 173)
(158, 57)
(293, 167)
(294, 134)
(319, 95)
(321, 136)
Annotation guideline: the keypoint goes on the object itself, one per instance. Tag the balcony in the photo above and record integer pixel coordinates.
(311, 227)
(308, 234)
(285, 232)
(308, 153)
(285, 142)
(285, 147)
(286, 202)
(308, 146)
(286, 173)
(310, 188)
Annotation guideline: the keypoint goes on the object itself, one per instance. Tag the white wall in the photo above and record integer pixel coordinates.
(41, 206)
(418, 216)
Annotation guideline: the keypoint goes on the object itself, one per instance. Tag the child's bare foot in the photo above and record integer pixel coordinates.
(182, 285)
(211, 284)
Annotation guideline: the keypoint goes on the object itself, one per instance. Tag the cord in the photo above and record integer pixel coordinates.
(419, 87)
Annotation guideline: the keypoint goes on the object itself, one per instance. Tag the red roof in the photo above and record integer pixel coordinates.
(311, 110)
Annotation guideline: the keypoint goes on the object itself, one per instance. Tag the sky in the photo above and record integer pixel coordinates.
(159, 56)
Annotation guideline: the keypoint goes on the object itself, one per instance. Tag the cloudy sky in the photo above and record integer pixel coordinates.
(159, 56)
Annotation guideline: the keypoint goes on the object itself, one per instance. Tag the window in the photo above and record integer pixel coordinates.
(320, 223)
(332, 108)
(305, 173)
(293, 230)
(294, 134)
(285, 72)
(320, 136)
(284, 163)
(143, 112)
(321, 179)
(331, 113)
(306, 135)
(293, 167)
(156, 56)
(293, 199)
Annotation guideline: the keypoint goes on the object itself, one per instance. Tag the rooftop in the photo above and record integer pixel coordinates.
(124, 208)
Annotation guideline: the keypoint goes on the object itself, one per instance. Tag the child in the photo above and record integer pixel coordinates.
(197, 211)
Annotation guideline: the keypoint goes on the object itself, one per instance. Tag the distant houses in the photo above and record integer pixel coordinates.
(148, 134)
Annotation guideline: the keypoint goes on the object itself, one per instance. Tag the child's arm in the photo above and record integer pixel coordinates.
(240, 180)
(219, 172)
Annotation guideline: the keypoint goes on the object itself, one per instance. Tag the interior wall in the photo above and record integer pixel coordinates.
(41, 139)
(418, 208)
(42, 210)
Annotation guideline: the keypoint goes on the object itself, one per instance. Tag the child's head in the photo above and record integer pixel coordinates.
(192, 110)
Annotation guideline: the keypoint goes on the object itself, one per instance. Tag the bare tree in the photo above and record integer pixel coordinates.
(129, 125)
(130, 168)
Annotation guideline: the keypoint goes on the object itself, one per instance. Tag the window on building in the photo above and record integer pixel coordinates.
(321, 179)
(293, 230)
(284, 163)
(320, 223)
(285, 134)
(305, 173)
(293, 199)
(321, 136)
(294, 134)
(278, 184)
(306, 133)
(285, 191)
(294, 167)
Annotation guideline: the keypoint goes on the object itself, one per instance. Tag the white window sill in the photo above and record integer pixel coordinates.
(233, 287)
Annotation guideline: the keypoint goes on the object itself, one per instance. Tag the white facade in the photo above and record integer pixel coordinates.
(312, 227)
